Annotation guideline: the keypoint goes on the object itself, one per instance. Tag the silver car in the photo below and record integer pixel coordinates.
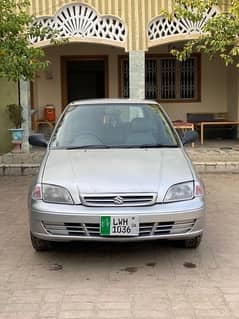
(115, 170)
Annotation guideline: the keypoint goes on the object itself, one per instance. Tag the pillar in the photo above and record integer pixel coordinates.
(137, 74)
(24, 98)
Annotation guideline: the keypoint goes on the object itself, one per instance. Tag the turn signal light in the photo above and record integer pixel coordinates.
(199, 190)
(37, 193)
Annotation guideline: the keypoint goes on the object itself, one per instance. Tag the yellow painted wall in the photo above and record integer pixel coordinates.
(136, 14)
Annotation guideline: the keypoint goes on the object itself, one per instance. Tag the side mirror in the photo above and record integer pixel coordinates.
(37, 140)
(189, 137)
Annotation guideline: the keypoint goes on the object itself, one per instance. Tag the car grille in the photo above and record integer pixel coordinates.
(134, 199)
(145, 229)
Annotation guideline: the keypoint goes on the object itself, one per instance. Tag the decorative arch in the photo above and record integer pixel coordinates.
(162, 30)
(79, 22)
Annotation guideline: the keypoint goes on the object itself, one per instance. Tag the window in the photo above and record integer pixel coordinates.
(166, 79)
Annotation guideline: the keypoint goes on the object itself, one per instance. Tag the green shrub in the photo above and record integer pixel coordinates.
(15, 114)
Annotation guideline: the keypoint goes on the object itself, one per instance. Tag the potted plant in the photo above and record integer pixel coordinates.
(15, 115)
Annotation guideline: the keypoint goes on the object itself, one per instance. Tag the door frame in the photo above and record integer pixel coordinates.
(65, 59)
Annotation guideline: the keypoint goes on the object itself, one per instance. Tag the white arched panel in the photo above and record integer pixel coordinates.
(162, 28)
(79, 21)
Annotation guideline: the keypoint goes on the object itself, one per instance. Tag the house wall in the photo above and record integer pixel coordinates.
(213, 91)
(213, 80)
(9, 95)
(135, 13)
(49, 91)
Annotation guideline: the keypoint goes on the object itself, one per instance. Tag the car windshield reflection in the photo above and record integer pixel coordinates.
(114, 126)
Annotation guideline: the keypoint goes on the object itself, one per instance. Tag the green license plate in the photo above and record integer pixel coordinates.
(119, 226)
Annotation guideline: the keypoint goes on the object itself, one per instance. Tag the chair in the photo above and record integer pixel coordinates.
(37, 123)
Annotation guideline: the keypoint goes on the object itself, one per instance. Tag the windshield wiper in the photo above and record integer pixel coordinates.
(102, 146)
(90, 146)
(157, 146)
(144, 146)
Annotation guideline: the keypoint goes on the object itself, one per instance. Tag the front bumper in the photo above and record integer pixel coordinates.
(179, 220)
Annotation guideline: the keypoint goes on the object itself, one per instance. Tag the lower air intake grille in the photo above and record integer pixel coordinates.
(145, 229)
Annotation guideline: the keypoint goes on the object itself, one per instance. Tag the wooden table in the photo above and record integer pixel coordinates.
(202, 124)
(184, 126)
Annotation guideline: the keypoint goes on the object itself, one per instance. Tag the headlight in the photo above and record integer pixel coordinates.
(52, 194)
(179, 192)
(56, 194)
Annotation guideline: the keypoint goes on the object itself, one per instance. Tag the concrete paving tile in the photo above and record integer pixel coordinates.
(115, 306)
(53, 295)
(21, 307)
(49, 310)
(79, 298)
(75, 314)
(18, 315)
(234, 309)
(105, 314)
(153, 304)
(88, 291)
(230, 290)
(152, 314)
(232, 298)
(6, 315)
(215, 312)
(4, 296)
(33, 299)
(74, 306)
(114, 297)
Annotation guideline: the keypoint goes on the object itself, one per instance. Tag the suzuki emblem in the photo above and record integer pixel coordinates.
(118, 200)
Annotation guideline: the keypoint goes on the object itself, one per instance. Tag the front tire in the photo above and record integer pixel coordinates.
(190, 242)
(40, 244)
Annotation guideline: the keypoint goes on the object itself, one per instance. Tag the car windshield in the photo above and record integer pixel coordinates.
(113, 125)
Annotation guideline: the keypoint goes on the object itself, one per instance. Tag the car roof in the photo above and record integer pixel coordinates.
(110, 101)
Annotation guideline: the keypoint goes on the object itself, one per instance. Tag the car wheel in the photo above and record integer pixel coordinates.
(40, 244)
(190, 242)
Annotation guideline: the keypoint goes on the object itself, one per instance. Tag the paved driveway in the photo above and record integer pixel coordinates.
(143, 280)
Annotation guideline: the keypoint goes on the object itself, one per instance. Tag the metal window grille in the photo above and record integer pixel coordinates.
(151, 79)
(187, 79)
(167, 79)
(125, 78)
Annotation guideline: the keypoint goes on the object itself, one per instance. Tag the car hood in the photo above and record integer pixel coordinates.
(117, 170)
